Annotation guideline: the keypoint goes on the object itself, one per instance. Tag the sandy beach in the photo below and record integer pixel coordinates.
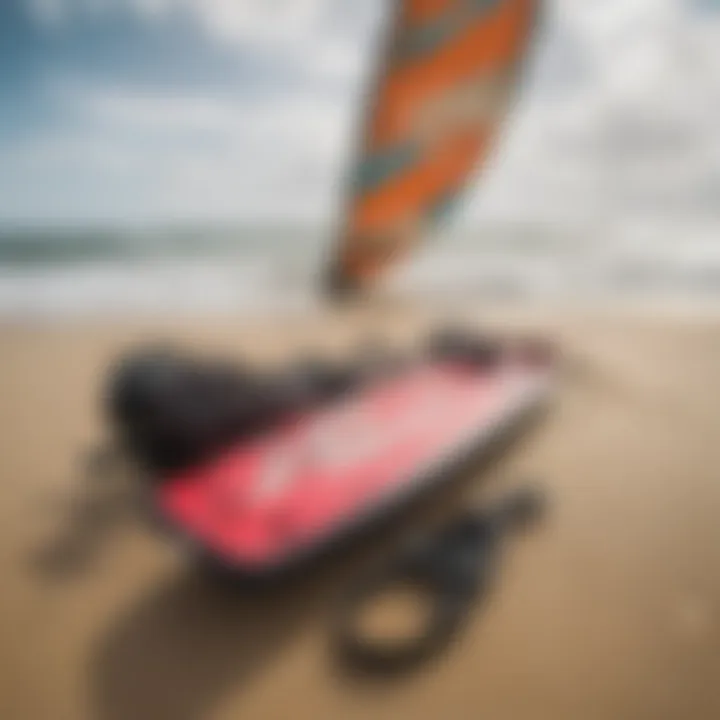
(609, 611)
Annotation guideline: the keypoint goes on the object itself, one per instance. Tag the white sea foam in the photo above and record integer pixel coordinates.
(282, 274)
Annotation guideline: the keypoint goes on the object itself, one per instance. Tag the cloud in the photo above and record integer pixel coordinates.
(323, 37)
(232, 150)
(48, 13)
(633, 132)
(619, 115)
(310, 36)
(175, 155)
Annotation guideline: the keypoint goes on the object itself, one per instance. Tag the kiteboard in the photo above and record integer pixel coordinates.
(267, 505)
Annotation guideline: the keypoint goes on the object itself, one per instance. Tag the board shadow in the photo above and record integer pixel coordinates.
(177, 653)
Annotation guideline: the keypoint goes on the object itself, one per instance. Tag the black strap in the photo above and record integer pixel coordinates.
(454, 567)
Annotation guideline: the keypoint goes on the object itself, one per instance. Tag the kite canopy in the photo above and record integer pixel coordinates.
(445, 85)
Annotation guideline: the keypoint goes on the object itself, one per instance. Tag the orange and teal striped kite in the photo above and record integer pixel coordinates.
(445, 84)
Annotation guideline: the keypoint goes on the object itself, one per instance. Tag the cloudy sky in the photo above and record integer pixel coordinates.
(157, 110)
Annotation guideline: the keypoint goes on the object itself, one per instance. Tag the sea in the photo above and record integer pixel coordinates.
(81, 272)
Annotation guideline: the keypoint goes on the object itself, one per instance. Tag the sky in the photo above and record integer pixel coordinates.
(243, 110)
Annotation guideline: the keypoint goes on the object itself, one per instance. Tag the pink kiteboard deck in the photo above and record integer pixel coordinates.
(278, 498)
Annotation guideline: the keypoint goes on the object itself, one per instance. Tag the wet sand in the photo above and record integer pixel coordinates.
(610, 610)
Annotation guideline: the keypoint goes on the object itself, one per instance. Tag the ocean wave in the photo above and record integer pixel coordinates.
(280, 271)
